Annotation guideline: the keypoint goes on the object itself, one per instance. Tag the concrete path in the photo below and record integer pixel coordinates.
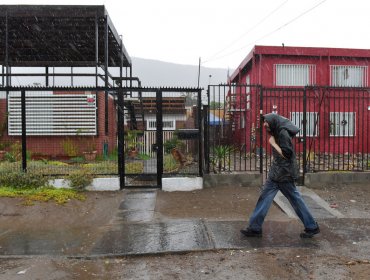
(134, 231)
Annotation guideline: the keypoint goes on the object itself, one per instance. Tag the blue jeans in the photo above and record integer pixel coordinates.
(289, 190)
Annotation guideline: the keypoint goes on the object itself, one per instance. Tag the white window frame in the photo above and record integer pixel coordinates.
(151, 124)
(242, 120)
(348, 76)
(248, 91)
(339, 122)
(311, 117)
(294, 74)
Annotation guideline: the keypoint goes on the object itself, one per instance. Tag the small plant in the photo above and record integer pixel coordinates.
(169, 164)
(60, 196)
(174, 142)
(220, 158)
(15, 153)
(79, 179)
(70, 148)
(143, 156)
(77, 160)
(132, 143)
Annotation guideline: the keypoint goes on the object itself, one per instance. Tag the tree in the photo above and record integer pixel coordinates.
(216, 105)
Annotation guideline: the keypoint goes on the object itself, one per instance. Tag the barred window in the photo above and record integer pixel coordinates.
(167, 125)
(53, 114)
(342, 123)
(348, 76)
(312, 123)
(294, 74)
(248, 91)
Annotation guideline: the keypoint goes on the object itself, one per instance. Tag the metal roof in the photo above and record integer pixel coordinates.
(58, 35)
(299, 51)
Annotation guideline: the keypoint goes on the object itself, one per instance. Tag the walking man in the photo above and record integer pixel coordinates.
(283, 172)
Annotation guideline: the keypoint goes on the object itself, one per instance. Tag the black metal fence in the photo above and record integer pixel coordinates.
(58, 131)
(138, 134)
(334, 126)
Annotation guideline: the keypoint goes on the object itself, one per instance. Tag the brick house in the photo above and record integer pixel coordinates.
(54, 118)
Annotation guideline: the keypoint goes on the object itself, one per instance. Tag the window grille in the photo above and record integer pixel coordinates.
(248, 92)
(53, 114)
(348, 76)
(295, 74)
(312, 123)
(342, 123)
(167, 125)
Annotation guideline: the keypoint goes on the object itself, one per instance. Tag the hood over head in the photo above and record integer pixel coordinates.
(277, 123)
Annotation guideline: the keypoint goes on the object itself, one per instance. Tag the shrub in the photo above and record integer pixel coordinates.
(22, 180)
(174, 142)
(79, 179)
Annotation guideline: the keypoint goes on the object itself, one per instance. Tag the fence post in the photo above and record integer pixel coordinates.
(304, 132)
(199, 124)
(260, 130)
(206, 129)
(206, 137)
(159, 138)
(24, 135)
(121, 135)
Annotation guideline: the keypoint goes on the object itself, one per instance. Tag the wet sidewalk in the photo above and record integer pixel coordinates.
(136, 230)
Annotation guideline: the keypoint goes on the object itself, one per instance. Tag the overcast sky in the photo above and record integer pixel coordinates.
(223, 32)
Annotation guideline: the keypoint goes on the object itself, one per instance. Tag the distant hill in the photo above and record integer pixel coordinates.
(155, 73)
(152, 73)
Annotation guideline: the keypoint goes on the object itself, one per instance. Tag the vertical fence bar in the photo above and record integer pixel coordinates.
(304, 132)
(200, 150)
(106, 73)
(159, 138)
(206, 136)
(120, 129)
(260, 130)
(24, 133)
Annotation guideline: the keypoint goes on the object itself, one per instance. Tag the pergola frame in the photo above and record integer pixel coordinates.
(49, 36)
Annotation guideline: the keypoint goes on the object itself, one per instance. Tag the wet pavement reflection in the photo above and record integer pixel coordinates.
(51, 242)
(134, 231)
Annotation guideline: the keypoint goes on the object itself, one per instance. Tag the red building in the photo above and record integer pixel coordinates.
(331, 83)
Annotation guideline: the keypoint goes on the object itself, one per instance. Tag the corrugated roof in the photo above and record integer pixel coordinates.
(58, 35)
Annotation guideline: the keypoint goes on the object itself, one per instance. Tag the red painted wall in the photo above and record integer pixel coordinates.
(259, 64)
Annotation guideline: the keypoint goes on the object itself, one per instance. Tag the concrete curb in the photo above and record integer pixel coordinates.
(336, 178)
(232, 179)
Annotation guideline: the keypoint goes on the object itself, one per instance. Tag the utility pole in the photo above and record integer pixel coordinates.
(199, 71)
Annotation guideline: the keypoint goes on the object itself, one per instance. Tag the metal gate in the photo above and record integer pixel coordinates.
(159, 135)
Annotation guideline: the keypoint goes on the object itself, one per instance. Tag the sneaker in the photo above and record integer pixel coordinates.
(309, 233)
(251, 233)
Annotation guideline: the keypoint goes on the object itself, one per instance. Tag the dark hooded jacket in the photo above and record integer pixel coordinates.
(283, 169)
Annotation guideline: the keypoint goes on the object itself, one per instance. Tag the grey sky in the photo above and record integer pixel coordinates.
(223, 32)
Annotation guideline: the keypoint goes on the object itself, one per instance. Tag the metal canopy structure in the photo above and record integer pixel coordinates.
(42, 35)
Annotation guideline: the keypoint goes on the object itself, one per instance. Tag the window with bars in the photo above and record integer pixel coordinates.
(348, 76)
(52, 114)
(248, 92)
(312, 121)
(342, 123)
(294, 74)
(167, 125)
